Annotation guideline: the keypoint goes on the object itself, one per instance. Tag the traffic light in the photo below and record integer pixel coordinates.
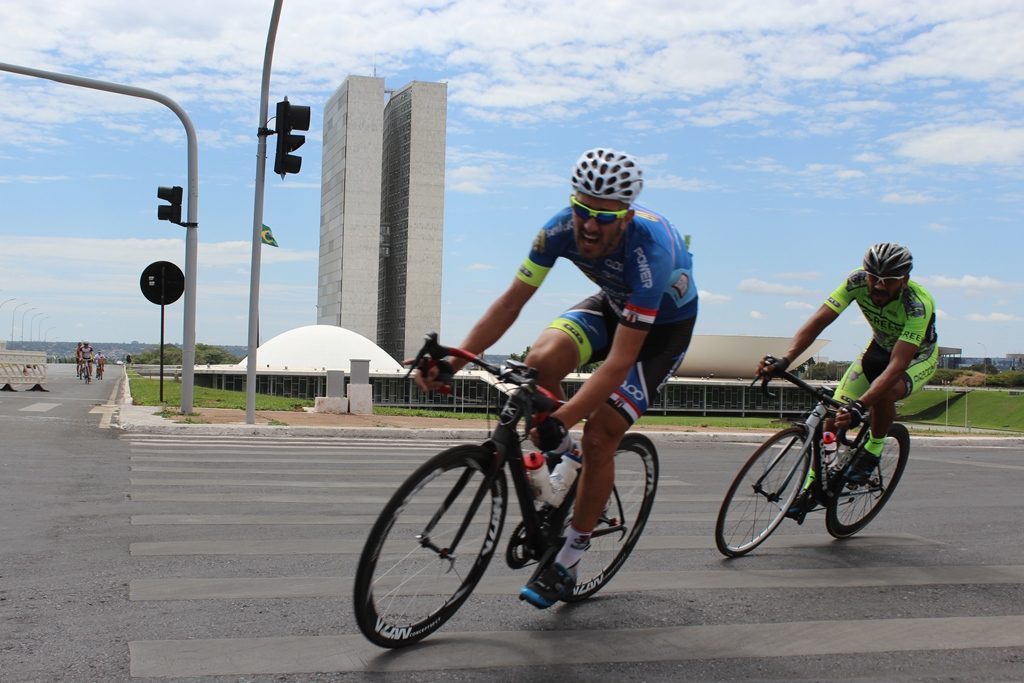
(170, 213)
(289, 117)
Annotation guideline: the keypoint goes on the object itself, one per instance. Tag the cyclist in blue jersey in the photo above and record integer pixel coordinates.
(639, 324)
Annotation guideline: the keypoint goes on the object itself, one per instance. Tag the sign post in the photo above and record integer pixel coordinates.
(162, 283)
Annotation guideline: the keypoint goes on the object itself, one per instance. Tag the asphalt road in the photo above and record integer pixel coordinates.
(134, 556)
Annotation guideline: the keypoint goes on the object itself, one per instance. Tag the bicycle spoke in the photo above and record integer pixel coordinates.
(620, 525)
(410, 577)
(762, 492)
(856, 506)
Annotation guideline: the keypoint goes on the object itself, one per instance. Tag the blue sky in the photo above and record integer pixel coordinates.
(784, 136)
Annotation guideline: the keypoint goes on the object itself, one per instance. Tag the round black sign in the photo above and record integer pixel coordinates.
(162, 282)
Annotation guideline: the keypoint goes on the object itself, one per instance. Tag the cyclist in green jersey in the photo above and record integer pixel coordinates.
(899, 360)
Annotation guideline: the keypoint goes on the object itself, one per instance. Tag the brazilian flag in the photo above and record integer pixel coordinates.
(267, 237)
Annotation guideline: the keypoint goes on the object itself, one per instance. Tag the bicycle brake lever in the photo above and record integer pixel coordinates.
(764, 386)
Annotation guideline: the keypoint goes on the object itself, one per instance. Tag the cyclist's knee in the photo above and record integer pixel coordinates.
(602, 434)
(554, 356)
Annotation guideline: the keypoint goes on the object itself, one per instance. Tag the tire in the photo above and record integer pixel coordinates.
(762, 492)
(857, 505)
(404, 590)
(620, 526)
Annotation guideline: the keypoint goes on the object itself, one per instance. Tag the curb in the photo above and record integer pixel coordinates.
(136, 420)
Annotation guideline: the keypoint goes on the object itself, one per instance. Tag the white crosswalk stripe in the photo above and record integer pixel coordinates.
(242, 501)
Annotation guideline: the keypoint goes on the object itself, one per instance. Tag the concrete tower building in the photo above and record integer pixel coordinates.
(382, 212)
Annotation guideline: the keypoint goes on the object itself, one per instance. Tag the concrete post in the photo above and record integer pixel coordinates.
(360, 393)
(335, 401)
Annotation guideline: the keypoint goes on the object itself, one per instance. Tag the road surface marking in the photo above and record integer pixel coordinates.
(38, 407)
(309, 654)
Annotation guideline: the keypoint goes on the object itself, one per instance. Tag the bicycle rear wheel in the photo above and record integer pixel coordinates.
(410, 579)
(857, 504)
(620, 525)
(762, 492)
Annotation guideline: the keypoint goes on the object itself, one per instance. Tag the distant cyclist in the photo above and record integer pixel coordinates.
(899, 360)
(101, 365)
(86, 353)
(639, 323)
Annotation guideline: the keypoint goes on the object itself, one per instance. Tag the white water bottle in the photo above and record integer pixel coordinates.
(829, 446)
(537, 475)
(565, 473)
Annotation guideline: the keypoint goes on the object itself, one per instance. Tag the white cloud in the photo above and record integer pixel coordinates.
(674, 182)
(798, 306)
(480, 266)
(757, 315)
(963, 145)
(907, 198)
(707, 297)
(470, 179)
(972, 282)
(801, 276)
(992, 317)
(868, 158)
(31, 179)
(756, 286)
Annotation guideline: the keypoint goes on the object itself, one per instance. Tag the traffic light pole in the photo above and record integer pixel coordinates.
(188, 347)
(257, 221)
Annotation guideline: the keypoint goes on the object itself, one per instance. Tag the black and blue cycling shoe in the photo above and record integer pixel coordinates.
(551, 585)
(861, 467)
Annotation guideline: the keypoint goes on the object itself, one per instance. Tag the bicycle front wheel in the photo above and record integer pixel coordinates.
(762, 492)
(620, 525)
(429, 547)
(858, 504)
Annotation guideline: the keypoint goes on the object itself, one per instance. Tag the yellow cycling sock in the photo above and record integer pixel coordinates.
(874, 444)
(808, 480)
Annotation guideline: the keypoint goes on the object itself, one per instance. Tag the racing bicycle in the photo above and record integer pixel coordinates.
(768, 483)
(436, 536)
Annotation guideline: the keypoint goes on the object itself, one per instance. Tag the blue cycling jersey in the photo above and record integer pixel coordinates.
(647, 280)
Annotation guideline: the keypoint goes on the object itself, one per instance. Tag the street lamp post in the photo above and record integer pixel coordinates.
(14, 313)
(7, 301)
(188, 342)
(985, 360)
(32, 324)
(39, 327)
(27, 311)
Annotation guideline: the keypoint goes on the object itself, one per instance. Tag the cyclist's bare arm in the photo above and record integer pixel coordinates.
(806, 335)
(488, 330)
(606, 379)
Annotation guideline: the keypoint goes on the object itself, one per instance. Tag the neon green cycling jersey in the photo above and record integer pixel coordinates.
(909, 318)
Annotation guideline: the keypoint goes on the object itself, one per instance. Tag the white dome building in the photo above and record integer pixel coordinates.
(321, 347)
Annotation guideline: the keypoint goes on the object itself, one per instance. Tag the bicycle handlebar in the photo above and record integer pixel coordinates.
(818, 392)
(510, 371)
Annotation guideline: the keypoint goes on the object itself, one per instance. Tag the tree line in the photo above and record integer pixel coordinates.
(206, 354)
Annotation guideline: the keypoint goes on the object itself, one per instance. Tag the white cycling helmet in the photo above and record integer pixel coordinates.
(608, 174)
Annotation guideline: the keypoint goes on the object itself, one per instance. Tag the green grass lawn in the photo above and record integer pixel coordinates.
(983, 409)
(146, 392)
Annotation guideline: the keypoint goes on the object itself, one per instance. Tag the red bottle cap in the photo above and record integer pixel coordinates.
(534, 460)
